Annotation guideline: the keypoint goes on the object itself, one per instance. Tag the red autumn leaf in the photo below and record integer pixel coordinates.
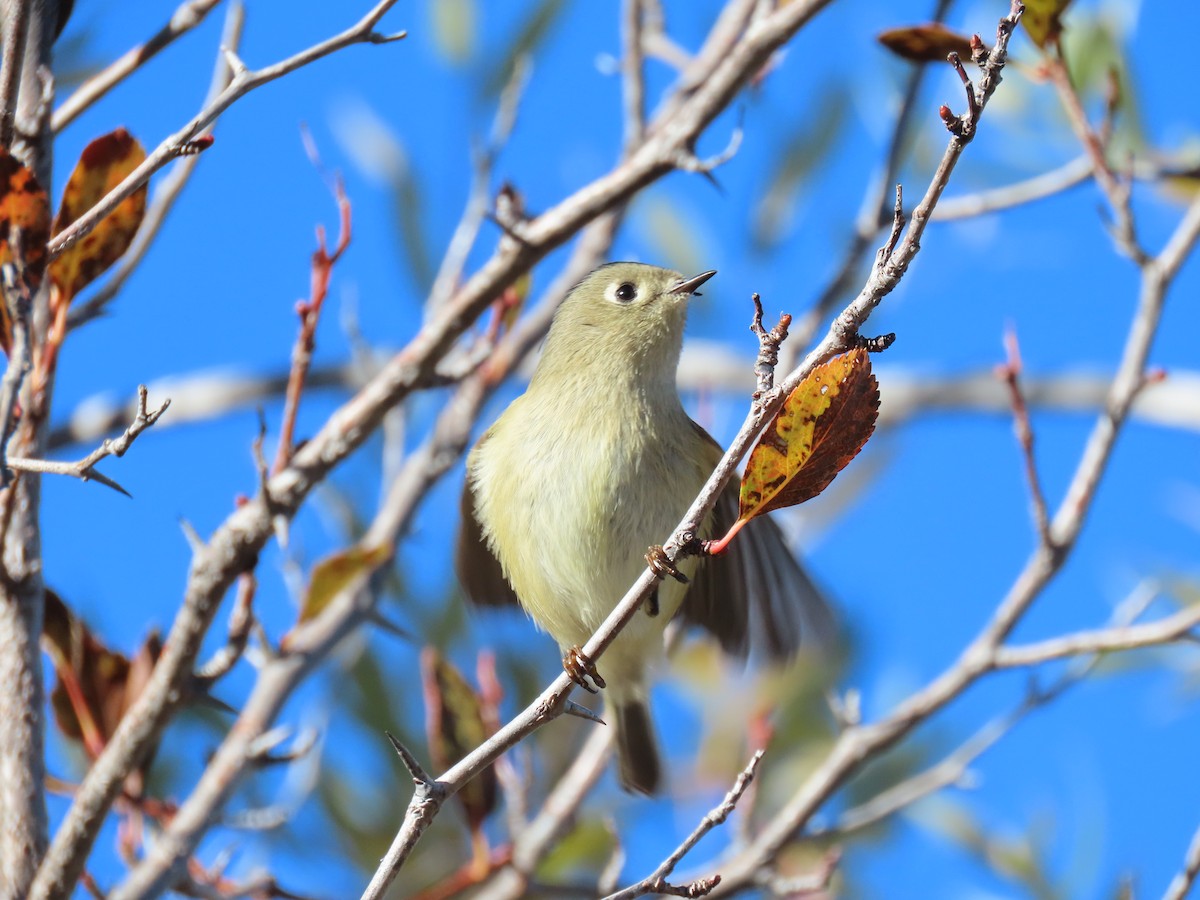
(931, 42)
(104, 164)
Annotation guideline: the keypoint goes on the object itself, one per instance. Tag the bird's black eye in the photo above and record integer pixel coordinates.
(626, 292)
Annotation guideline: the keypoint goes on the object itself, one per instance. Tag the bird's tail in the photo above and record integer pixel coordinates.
(637, 748)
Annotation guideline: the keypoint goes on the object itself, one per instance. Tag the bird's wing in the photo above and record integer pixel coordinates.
(479, 571)
(755, 598)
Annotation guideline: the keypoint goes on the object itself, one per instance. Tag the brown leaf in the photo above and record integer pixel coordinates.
(931, 42)
(823, 425)
(1042, 19)
(104, 164)
(24, 229)
(454, 726)
(95, 686)
(335, 572)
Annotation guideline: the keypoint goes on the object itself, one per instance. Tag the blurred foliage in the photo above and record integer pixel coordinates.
(455, 28)
(1094, 50)
(800, 157)
(535, 29)
(1020, 858)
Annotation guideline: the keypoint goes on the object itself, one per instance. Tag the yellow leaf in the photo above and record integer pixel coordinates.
(336, 572)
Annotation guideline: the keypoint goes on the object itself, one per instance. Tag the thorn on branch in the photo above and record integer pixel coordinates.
(898, 222)
(419, 775)
(571, 708)
(378, 37)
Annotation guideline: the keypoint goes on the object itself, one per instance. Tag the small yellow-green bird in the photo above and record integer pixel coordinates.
(596, 462)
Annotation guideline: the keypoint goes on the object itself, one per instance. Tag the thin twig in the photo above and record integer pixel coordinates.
(85, 469)
(187, 16)
(875, 212)
(656, 882)
(890, 266)
(235, 545)
(1124, 230)
(1056, 181)
(12, 58)
(167, 191)
(244, 81)
(17, 298)
(633, 75)
(1011, 373)
(1181, 884)
(1172, 628)
(538, 836)
(449, 274)
(310, 315)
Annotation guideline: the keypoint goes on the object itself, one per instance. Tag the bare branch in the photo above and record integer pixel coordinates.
(85, 469)
(656, 882)
(1181, 884)
(187, 16)
(633, 76)
(244, 81)
(16, 31)
(1105, 640)
(1065, 177)
(537, 837)
(1011, 373)
(167, 191)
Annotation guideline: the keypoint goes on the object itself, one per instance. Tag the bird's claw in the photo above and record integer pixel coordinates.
(580, 668)
(660, 564)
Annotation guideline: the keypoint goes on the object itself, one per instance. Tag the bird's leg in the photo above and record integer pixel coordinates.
(660, 564)
(580, 668)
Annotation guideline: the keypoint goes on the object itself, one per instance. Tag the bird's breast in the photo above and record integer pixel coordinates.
(593, 488)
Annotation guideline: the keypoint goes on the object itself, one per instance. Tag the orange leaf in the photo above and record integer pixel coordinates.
(104, 164)
(24, 229)
(926, 43)
(823, 424)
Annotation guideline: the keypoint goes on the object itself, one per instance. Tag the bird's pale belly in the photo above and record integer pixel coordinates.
(610, 531)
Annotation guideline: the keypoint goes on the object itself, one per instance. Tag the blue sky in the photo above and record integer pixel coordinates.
(915, 559)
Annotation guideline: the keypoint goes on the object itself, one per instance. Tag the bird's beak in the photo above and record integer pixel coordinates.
(689, 285)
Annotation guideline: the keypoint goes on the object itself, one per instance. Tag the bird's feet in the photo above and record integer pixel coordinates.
(581, 669)
(660, 564)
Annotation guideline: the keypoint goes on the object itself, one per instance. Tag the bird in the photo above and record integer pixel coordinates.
(593, 464)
